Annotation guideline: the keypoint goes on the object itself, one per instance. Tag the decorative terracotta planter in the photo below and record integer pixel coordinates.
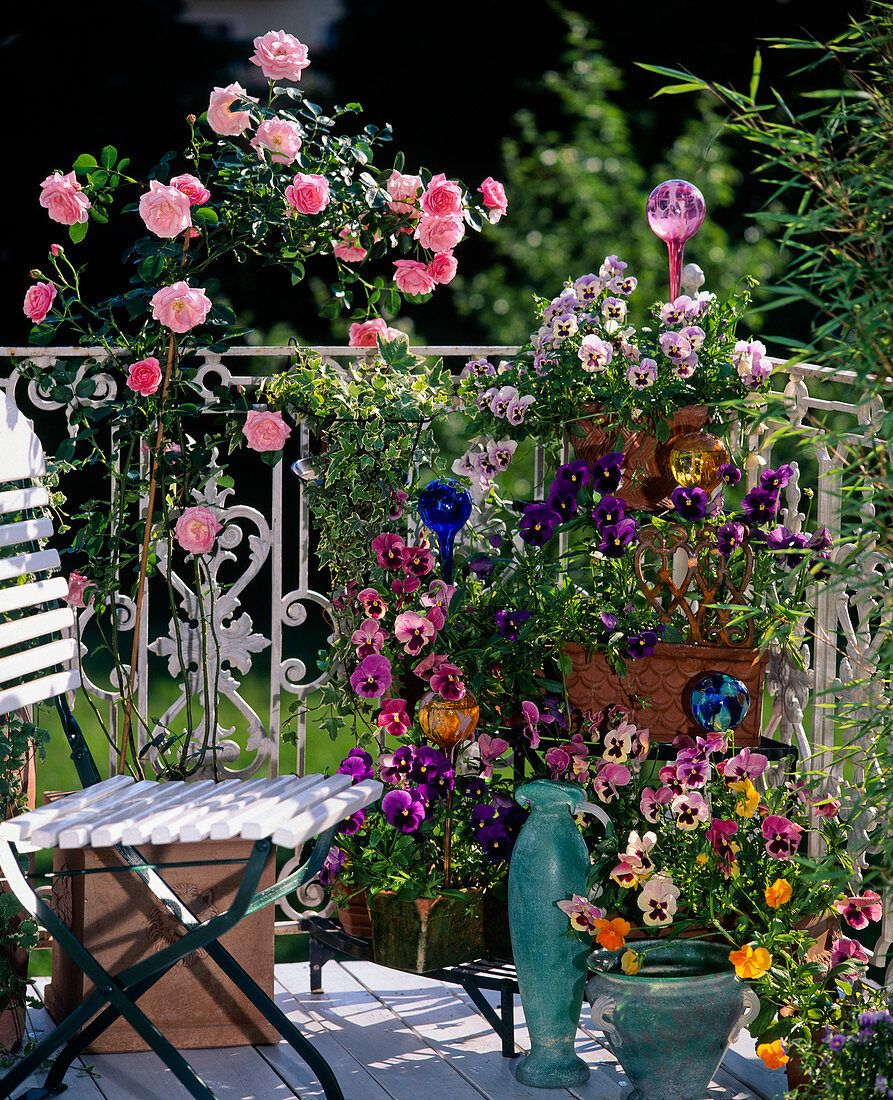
(195, 1005)
(647, 480)
(353, 912)
(663, 681)
(428, 933)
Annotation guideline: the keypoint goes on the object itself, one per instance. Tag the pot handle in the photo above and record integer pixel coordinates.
(603, 1019)
(751, 1010)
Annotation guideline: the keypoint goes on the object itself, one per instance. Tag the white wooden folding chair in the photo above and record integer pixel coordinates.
(37, 663)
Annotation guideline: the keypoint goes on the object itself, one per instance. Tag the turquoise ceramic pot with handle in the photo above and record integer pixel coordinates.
(549, 864)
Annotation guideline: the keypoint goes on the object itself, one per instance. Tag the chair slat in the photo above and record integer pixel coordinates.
(231, 825)
(142, 830)
(224, 797)
(19, 828)
(36, 691)
(198, 828)
(38, 561)
(35, 626)
(259, 822)
(139, 819)
(47, 834)
(323, 815)
(37, 659)
(18, 500)
(25, 530)
(26, 595)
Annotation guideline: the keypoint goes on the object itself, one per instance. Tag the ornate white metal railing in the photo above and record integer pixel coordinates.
(263, 560)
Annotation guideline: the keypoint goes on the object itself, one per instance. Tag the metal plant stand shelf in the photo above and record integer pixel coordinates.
(328, 939)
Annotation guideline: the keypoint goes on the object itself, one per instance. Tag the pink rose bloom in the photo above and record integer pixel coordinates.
(265, 430)
(279, 136)
(280, 56)
(494, 198)
(165, 210)
(144, 377)
(38, 301)
(192, 188)
(441, 197)
(364, 334)
(220, 118)
(308, 193)
(196, 530)
(442, 267)
(179, 307)
(439, 234)
(404, 192)
(347, 248)
(412, 277)
(63, 198)
(77, 583)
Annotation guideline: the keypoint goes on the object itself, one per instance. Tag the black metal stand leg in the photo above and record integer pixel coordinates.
(320, 954)
(504, 1024)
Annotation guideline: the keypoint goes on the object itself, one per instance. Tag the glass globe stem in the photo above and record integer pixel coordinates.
(446, 543)
(676, 250)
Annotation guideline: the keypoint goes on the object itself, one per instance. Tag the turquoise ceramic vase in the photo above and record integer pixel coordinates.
(670, 1024)
(549, 864)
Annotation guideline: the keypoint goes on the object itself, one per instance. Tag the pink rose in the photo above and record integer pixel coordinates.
(412, 277)
(443, 266)
(347, 248)
(38, 301)
(63, 199)
(279, 136)
(494, 198)
(439, 234)
(179, 307)
(404, 192)
(280, 56)
(220, 118)
(165, 210)
(442, 197)
(196, 529)
(77, 583)
(145, 376)
(192, 188)
(308, 193)
(364, 334)
(265, 430)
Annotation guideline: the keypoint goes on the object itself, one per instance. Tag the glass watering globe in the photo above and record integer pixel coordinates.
(719, 702)
(675, 212)
(444, 507)
(695, 461)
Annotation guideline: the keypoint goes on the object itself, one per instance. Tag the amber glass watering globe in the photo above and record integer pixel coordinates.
(675, 212)
(695, 461)
(447, 722)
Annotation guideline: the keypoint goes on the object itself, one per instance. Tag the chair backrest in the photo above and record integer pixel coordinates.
(37, 662)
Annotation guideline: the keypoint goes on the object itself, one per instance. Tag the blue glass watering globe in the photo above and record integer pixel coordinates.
(444, 507)
(719, 702)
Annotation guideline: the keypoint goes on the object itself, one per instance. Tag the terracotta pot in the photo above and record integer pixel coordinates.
(663, 681)
(647, 480)
(353, 912)
(428, 933)
(194, 1005)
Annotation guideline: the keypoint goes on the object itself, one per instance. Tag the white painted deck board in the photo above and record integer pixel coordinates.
(387, 1036)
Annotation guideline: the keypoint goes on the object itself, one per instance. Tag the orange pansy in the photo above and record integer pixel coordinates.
(773, 1054)
(611, 934)
(750, 962)
(778, 893)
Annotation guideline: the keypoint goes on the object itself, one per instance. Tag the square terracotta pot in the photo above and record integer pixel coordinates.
(663, 681)
(194, 1005)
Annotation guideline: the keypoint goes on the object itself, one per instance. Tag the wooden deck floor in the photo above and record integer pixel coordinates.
(388, 1036)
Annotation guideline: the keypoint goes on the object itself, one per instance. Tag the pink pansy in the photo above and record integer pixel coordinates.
(280, 56)
(399, 500)
(413, 631)
(265, 430)
(443, 267)
(827, 807)
(692, 770)
(180, 307)
(412, 277)
(582, 913)
(442, 197)
(418, 561)
(675, 312)
(165, 210)
(744, 765)
(858, 911)
(388, 549)
(517, 410)
(690, 810)
(641, 743)
(848, 951)
(494, 198)
(192, 188)
(612, 267)
(490, 748)
(404, 192)
(196, 530)
(595, 354)
(426, 668)
(439, 234)
(751, 361)
(564, 759)
(280, 137)
(501, 453)
(393, 717)
(501, 400)
(220, 118)
(348, 248)
(405, 586)
(368, 638)
(308, 193)
(144, 377)
(364, 334)
(782, 836)
(532, 719)
(38, 301)
(718, 836)
(372, 676)
(77, 584)
(658, 900)
(653, 804)
(446, 680)
(372, 603)
(436, 617)
(629, 872)
(617, 745)
(439, 594)
(63, 199)
(608, 778)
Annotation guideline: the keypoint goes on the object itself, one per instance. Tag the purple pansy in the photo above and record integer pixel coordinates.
(642, 644)
(358, 765)
(481, 566)
(352, 824)
(508, 622)
(332, 864)
(780, 538)
(774, 480)
(617, 537)
(575, 473)
(538, 523)
(729, 537)
(372, 676)
(691, 503)
(404, 810)
(607, 472)
(433, 769)
(781, 835)
(760, 506)
(730, 474)
(609, 511)
(562, 499)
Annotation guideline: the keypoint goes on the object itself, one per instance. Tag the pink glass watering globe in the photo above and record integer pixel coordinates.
(675, 212)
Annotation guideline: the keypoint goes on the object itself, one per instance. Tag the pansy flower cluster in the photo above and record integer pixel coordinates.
(854, 1060)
